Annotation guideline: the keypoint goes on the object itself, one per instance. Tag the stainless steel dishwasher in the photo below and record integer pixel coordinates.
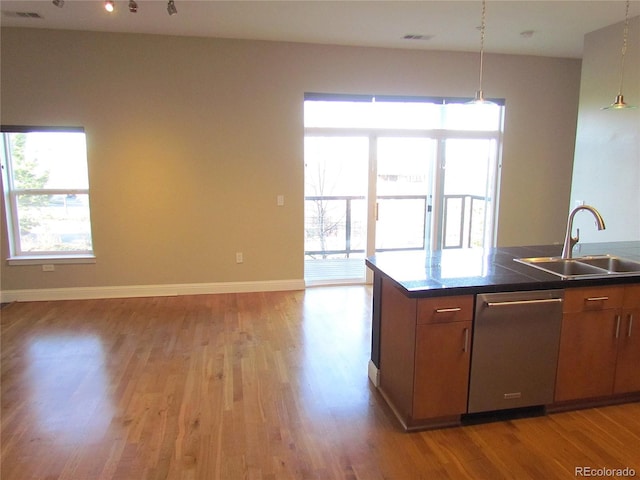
(516, 337)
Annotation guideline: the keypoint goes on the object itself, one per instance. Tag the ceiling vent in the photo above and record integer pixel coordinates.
(22, 15)
(412, 36)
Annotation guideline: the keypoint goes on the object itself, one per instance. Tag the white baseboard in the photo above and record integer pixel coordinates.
(374, 374)
(128, 291)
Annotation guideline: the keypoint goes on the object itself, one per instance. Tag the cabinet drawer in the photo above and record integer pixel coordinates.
(596, 298)
(445, 309)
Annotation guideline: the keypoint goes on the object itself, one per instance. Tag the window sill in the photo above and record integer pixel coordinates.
(47, 259)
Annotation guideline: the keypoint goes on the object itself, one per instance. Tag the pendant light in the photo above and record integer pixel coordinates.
(479, 99)
(619, 103)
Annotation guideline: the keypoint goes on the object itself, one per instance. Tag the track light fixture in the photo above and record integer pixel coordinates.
(110, 6)
(619, 103)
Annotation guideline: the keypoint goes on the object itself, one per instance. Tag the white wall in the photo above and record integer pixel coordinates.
(606, 172)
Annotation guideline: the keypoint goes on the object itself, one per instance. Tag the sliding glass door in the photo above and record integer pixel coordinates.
(335, 207)
(392, 176)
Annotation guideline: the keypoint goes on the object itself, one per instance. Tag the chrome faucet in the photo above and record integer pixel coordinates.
(569, 241)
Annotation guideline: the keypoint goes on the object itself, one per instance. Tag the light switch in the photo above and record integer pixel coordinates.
(280, 200)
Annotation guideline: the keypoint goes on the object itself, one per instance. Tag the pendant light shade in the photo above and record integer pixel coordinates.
(619, 103)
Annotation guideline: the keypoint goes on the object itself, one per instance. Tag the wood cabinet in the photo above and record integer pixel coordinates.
(599, 353)
(425, 355)
(441, 369)
(627, 377)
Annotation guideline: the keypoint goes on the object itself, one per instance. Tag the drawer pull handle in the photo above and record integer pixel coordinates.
(465, 347)
(596, 299)
(617, 326)
(448, 310)
(630, 325)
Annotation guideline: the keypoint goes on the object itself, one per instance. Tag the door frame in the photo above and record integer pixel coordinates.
(440, 136)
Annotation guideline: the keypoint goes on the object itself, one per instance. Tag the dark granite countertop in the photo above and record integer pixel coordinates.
(463, 272)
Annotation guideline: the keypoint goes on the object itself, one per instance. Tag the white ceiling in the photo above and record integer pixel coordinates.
(558, 26)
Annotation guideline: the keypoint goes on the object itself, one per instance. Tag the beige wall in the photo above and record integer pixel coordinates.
(190, 140)
(607, 158)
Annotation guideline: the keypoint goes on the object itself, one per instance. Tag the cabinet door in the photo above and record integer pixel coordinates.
(587, 359)
(628, 363)
(397, 343)
(441, 369)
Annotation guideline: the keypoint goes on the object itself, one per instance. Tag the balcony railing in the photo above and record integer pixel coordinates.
(335, 225)
(463, 221)
(330, 227)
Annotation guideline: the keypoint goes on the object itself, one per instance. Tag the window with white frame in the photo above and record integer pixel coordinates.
(387, 173)
(46, 190)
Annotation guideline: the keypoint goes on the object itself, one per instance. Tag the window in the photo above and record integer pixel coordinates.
(46, 189)
(389, 173)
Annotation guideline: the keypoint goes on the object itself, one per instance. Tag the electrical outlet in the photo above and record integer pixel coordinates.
(48, 268)
(280, 200)
(239, 257)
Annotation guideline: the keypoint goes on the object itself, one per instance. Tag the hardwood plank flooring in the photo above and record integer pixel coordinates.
(249, 386)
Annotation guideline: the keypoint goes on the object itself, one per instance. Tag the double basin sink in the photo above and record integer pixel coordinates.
(592, 266)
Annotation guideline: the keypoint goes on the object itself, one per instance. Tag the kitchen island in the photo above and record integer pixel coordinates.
(423, 328)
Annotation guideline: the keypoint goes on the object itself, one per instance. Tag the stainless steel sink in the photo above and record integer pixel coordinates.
(584, 267)
(611, 263)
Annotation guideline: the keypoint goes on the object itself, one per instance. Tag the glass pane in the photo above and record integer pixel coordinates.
(404, 166)
(472, 117)
(54, 223)
(43, 160)
(336, 165)
(401, 224)
(409, 115)
(371, 114)
(468, 179)
(403, 185)
(467, 167)
(478, 211)
(453, 213)
(335, 195)
(335, 226)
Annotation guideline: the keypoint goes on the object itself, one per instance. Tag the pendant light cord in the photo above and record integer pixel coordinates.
(624, 45)
(482, 28)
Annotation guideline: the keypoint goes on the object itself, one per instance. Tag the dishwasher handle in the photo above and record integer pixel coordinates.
(523, 302)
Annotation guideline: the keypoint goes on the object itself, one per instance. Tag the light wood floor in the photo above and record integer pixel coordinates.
(249, 386)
